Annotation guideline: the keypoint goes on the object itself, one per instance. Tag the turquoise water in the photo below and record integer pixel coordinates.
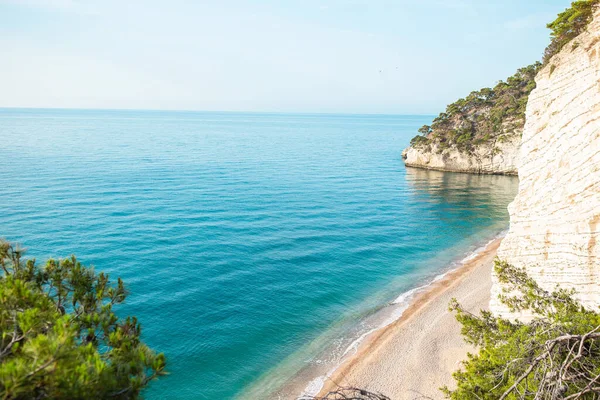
(250, 242)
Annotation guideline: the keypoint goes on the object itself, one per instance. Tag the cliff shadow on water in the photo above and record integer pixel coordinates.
(489, 192)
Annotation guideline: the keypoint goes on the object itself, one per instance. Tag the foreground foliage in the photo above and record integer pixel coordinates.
(556, 355)
(60, 338)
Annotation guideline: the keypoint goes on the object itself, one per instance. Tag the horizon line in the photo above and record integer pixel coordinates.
(215, 111)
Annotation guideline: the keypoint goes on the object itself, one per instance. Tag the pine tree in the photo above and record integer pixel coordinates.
(60, 338)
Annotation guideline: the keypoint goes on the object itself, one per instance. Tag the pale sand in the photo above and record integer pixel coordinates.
(416, 355)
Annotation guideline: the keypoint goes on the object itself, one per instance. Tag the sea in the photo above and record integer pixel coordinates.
(257, 247)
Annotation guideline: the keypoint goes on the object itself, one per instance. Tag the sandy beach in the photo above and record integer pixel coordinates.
(416, 355)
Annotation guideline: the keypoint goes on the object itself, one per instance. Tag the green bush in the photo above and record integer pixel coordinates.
(60, 337)
(556, 355)
(419, 141)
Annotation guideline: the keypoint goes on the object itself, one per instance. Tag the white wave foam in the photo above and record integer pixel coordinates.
(314, 387)
(406, 296)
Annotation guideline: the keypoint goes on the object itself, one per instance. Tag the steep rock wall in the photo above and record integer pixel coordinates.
(500, 158)
(555, 218)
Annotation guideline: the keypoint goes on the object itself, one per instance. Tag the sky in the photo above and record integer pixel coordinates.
(324, 56)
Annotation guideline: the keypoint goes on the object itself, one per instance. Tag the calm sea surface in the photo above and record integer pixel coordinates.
(251, 243)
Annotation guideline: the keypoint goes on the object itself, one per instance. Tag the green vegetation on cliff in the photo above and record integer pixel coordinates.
(487, 116)
(569, 24)
(484, 116)
(60, 338)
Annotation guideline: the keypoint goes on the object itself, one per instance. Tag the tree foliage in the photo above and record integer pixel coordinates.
(60, 338)
(556, 355)
(569, 24)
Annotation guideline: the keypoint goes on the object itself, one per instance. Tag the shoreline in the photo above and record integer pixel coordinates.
(459, 171)
(377, 349)
(327, 355)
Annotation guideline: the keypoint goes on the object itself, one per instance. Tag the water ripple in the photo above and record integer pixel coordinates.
(248, 241)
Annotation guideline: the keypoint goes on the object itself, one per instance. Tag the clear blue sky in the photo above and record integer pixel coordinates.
(355, 56)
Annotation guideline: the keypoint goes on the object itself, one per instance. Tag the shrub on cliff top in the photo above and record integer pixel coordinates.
(60, 338)
(419, 141)
(554, 356)
(569, 24)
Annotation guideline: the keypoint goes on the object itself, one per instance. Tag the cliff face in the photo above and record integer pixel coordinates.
(498, 158)
(555, 218)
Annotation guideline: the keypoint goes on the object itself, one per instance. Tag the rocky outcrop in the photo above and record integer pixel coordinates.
(498, 158)
(480, 133)
(555, 218)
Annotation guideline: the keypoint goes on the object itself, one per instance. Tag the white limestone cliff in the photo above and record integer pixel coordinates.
(497, 158)
(555, 218)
